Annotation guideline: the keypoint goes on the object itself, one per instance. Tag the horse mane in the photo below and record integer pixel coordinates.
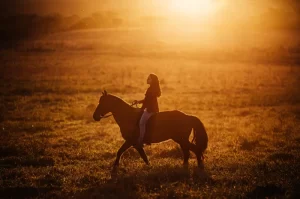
(121, 100)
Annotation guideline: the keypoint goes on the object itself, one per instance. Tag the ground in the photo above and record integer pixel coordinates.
(51, 147)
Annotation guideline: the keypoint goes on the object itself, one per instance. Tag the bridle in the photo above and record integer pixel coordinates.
(106, 116)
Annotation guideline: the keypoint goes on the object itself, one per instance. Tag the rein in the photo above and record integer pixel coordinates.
(106, 116)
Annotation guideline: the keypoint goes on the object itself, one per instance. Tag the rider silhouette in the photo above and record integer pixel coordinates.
(150, 104)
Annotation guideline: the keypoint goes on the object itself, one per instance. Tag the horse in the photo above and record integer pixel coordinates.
(160, 127)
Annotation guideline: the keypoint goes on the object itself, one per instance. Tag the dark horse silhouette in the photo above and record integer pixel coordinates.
(162, 126)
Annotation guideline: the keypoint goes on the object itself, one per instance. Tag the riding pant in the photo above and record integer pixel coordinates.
(143, 121)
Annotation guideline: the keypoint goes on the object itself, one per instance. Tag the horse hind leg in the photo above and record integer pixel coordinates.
(186, 153)
(186, 147)
(197, 153)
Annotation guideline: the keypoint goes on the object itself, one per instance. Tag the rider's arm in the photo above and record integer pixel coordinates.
(139, 101)
(144, 100)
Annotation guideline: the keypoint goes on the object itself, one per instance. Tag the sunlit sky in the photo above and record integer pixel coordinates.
(281, 14)
(146, 7)
(211, 23)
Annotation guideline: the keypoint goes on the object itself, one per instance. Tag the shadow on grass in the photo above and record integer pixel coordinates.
(249, 145)
(29, 192)
(147, 180)
(175, 152)
(267, 191)
(6, 151)
(280, 156)
(11, 162)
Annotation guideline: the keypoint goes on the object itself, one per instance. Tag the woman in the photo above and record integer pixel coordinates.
(150, 104)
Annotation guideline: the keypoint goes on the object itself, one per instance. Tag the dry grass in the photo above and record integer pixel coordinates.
(51, 147)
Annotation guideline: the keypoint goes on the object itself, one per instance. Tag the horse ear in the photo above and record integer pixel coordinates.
(105, 93)
(102, 93)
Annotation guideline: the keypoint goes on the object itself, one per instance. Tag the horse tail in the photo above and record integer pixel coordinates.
(200, 135)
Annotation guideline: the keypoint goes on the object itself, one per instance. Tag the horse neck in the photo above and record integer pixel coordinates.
(121, 111)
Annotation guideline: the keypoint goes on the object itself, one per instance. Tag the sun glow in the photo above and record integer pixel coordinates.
(193, 8)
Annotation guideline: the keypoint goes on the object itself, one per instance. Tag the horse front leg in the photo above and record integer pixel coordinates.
(122, 149)
(142, 154)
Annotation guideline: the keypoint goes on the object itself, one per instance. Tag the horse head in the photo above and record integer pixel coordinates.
(103, 107)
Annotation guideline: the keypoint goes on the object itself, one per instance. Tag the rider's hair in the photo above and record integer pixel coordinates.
(155, 84)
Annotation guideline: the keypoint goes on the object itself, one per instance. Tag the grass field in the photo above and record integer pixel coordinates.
(51, 147)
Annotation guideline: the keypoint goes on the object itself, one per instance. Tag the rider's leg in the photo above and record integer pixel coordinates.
(146, 115)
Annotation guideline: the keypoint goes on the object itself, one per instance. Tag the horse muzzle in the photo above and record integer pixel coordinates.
(97, 117)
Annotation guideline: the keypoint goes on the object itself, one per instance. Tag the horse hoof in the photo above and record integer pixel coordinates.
(115, 167)
(201, 166)
(185, 165)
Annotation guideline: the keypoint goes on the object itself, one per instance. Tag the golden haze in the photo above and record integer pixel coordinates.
(234, 66)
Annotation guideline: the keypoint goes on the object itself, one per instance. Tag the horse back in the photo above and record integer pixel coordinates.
(165, 125)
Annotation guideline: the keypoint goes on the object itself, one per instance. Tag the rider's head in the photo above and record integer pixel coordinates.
(154, 83)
